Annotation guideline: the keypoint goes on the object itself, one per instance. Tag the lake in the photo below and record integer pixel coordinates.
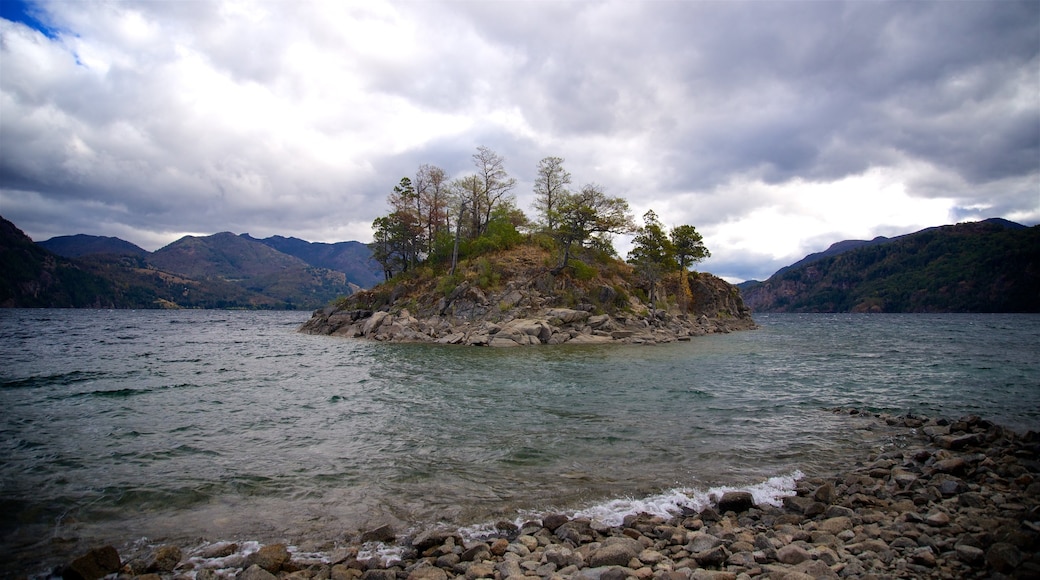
(127, 427)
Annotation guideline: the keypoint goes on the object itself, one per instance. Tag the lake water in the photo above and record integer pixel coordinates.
(189, 426)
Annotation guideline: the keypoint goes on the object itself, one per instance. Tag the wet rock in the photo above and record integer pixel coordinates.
(736, 501)
(553, 521)
(165, 559)
(271, 557)
(255, 572)
(95, 564)
(384, 533)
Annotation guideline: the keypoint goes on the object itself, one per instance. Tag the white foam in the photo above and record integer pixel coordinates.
(612, 513)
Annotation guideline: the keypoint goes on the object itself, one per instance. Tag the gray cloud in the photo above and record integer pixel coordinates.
(153, 119)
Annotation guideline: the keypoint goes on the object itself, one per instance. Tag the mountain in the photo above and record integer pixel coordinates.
(218, 271)
(35, 277)
(81, 245)
(254, 266)
(987, 266)
(352, 258)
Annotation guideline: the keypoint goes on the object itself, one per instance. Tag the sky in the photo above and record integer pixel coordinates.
(776, 128)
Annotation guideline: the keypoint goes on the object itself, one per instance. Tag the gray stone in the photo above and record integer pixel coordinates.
(553, 521)
(562, 557)
(384, 533)
(793, 554)
(970, 554)
(736, 501)
(701, 541)
(615, 552)
(1004, 557)
(255, 572)
(427, 572)
(714, 557)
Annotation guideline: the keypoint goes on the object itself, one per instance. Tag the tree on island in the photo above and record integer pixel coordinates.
(656, 255)
(550, 187)
(587, 216)
(434, 222)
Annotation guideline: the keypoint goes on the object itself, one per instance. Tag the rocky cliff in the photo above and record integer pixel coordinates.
(515, 298)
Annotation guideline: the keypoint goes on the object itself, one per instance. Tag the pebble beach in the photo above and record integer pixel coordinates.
(927, 498)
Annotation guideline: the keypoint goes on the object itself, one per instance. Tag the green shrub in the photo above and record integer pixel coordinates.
(487, 276)
(583, 271)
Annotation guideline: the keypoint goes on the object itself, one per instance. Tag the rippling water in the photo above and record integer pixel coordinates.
(120, 425)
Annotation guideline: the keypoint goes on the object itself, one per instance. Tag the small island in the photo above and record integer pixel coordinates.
(463, 265)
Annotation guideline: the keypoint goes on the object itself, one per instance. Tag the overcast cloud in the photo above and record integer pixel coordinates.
(775, 128)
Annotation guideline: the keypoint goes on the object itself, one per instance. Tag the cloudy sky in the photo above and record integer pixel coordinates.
(776, 128)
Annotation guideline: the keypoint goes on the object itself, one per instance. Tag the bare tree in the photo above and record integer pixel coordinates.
(432, 195)
(495, 184)
(549, 188)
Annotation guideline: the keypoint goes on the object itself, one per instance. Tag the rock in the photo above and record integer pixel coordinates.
(701, 541)
(562, 557)
(615, 552)
(736, 501)
(1004, 557)
(566, 315)
(271, 557)
(713, 557)
(384, 533)
(835, 525)
(165, 559)
(826, 494)
(937, 519)
(377, 574)
(95, 564)
(431, 538)
(952, 465)
(970, 554)
(923, 557)
(793, 554)
(480, 570)
(499, 546)
(476, 553)
(553, 521)
(427, 572)
(218, 550)
(255, 572)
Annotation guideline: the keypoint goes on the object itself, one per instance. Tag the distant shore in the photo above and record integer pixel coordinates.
(939, 499)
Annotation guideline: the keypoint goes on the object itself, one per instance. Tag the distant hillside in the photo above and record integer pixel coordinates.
(352, 258)
(83, 245)
(35, 277)
(219, 271)
(989, 266)
(255, 266)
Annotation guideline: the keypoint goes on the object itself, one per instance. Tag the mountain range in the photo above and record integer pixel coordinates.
(987, 266)
(223, 270)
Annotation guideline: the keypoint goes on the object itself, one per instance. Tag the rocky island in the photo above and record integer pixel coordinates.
(514, 298)
(464, 265)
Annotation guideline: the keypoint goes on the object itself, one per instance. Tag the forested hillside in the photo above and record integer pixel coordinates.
(988, 266)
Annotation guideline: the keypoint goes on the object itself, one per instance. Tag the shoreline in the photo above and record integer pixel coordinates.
(941, 499)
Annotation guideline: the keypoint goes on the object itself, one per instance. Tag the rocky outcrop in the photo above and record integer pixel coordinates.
(525, 313)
